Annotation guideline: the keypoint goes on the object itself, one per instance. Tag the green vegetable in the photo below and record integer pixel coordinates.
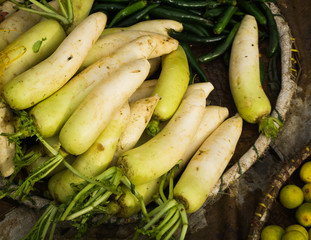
(221, 48)
(179, 15)
(171, 87)
(224, 19)
(273, 44)
(130, 9)
(244, 78)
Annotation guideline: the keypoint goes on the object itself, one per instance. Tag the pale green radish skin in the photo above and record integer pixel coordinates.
(51, 114)
(94, 113)
(81, 9)
(244, 73)
(141, 113)
(45, 78)
(144, 90)
(18, 23)
(160, 26)
(108, 44)
(95, 160)
(128, 203)
(7, 150)
(207, 165)
(172, 83)
(19, 55)
(158, 155)
(213, 117)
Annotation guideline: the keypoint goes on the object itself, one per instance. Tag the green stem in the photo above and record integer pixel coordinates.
(269, 126)
(163, 209)
(153, 127)
(173, 230)
(167, 227)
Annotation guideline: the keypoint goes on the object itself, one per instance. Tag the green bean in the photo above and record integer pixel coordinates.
(130, 9)
(214, 12)
(136, 17)
(193, 63)
(273, 44)
(224, 19)
(108, 7)
(220, 49)
(252, 9)
(196, 30)
(180, 15)
(181, 36)
(186, 3)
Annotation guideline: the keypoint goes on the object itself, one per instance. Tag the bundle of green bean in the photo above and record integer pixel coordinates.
(213, 22)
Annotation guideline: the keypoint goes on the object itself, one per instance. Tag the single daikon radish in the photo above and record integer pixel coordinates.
(156, 25)
(108, 44)
(244, 77)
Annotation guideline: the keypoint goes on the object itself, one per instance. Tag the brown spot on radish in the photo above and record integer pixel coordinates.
(197, 168)
(136, 71)
(70, 57)
(100, 147)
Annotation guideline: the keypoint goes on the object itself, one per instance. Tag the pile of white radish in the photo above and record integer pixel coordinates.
(89, 96)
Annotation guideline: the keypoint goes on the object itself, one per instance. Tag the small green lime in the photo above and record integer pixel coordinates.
(291, 196)
(272, 232)
(305, 172)
(303, 214)
(293, 235)
(307, 192)
(298, 228)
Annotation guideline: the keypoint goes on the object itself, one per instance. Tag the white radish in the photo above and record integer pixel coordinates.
(94, 113)
(106, 45)
(158, 155)
(95, 160)
(144, 90)
(160, 26)
(208, 164)
(213, 117)
(7, 150)
(141, 113)
(50, 114)
(45, 78)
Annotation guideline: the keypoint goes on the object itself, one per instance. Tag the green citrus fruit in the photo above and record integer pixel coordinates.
(305, 172)
(291, 196)
(293, 235)
(307, 192)
(298, 228)
(272, 232)
(303, 214)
